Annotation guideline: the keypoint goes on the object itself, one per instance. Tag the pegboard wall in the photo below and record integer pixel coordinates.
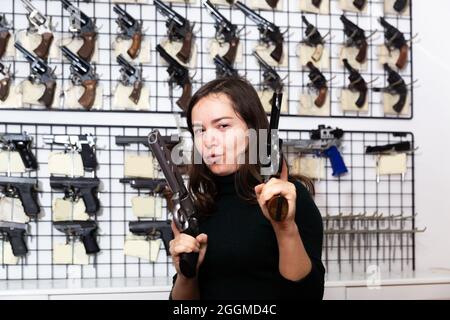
(289, 18)
(365, 222)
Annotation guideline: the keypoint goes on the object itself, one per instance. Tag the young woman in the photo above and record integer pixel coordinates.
(243, 253)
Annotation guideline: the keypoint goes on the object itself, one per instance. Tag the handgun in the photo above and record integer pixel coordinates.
(153, 230)
(226, 32)
(276, 166)
(25, 190)
(84, 144)
(131, 76)
(5, 83)
(319, 83)
(390, 148)
(84, 230)
(21, 143)
(185, 215)
(271, 77)
(224, 68)
(269, 32)
(83, 73)
(313, 39)
(76, 188)
(41, 25)
(178, 29)
(357, 83)
(41, 73)
(395, 39)
(15, 234)
(179, 75)
(324, 142)
(5, 34)
(356, 38)
(84, 27)
(397, 86)
(129, 28)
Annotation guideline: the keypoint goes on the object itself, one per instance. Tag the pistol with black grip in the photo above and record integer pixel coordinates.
(357, 83)
(86, 231)
(25, 190)
(76, 188)
(15, 234)
(22, 143)
(397, 86)
(179, 75)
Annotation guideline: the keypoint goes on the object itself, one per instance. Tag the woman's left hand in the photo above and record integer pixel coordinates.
(266, 191)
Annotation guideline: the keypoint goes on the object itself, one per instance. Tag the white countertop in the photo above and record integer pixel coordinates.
(164, 284)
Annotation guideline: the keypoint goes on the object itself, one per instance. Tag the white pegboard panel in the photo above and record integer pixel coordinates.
(289, 18)
(354, 193)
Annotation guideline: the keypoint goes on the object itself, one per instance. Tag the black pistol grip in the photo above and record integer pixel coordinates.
(188, 264)
(90, 199)
(27, 156)
(17, 240)
(88, 157)
(29, 201)
(90, 243)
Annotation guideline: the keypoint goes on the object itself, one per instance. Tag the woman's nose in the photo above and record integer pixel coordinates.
(210, 139)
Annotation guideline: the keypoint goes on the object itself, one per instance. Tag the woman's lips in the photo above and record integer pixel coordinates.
(213, 158)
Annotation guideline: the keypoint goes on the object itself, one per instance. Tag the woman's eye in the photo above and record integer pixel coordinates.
(223, 126)
(198, 131)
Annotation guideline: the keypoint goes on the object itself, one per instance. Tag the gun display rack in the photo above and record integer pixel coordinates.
(155, 74)
(363, 235)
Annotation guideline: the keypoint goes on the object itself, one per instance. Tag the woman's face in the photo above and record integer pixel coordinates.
(220, 135)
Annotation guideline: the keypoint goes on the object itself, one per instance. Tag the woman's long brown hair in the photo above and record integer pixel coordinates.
(246, 103)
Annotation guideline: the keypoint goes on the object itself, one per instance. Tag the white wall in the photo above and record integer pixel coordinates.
(430, 126)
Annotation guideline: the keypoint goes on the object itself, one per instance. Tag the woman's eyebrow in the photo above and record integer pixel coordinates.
(220, 119)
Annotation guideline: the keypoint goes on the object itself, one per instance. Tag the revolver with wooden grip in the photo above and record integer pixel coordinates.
(269, 32)
(319, 83)
(178, 29)
(83, 27)
(185, 215)
(179, 75)
(395, 39)
(5, 83)
(5, 35)
(276, 165)
(357, 83)
(314, 39)
(131, 76)
(84, 74)
(356, 38)
(129, 28)
(226, 32)
(41, 73)
(41, 25)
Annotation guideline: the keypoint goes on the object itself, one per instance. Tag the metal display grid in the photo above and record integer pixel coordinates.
(288, 19)
(350, 243)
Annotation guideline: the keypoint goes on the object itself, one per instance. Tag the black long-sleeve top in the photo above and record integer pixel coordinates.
(242, 258)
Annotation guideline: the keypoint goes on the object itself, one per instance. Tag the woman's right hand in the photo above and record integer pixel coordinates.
(183, 243)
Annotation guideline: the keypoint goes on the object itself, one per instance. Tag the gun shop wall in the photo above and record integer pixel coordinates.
(389, 210)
